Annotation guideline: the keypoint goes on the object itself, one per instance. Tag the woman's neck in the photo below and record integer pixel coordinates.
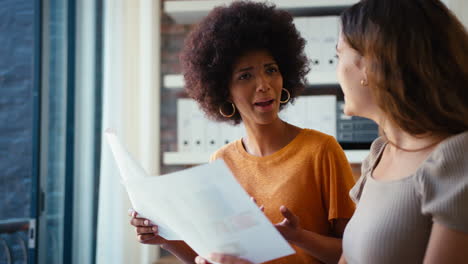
(264, 140)
(401, 141)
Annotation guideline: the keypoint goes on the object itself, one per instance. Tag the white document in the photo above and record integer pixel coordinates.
(130, 170)
(204, 206)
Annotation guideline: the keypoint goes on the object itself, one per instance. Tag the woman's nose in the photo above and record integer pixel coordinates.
(263, 84)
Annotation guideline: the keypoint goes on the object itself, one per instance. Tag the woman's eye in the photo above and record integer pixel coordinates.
(272, 69)
(245, 76)
(337, 57)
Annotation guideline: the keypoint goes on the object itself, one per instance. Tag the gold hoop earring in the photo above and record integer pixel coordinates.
(364, 82)
(228, 116)
(287, 99)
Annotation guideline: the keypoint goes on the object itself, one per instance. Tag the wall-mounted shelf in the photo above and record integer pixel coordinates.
(189, 12)
(322, 78)
(176, 81)
(173, 81)
(188, 158)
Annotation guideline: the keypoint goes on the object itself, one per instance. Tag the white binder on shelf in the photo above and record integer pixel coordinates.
(198, 128)
(213, 140)
(329, 40)
(296, 114)
(321, 113)
(314, 50)
(302, 24)
(233, 133)
(225, 130)
(184, 124)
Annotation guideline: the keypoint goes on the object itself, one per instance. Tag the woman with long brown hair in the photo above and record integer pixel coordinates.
(404, 64)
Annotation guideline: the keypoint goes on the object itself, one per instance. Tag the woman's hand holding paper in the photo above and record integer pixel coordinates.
(221, 258)
(147, 232)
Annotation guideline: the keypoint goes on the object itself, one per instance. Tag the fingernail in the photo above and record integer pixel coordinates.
(199, 260)
(146, 223)
(134, 214)
(155, 228)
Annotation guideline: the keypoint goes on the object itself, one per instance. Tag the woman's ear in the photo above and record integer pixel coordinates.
(360, 61)
(364, 73)
(362, 65)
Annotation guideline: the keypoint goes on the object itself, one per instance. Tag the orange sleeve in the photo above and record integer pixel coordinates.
(337, 181)
(215, 155)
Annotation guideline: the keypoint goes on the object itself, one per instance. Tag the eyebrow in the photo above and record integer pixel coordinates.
(245, 69)
(249, 68)
(269, 64)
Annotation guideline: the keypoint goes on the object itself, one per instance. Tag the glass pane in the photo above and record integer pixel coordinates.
(54, 100)
(16, 126)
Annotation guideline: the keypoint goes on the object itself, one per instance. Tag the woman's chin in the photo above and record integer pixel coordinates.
(347, 111)
(267, 119)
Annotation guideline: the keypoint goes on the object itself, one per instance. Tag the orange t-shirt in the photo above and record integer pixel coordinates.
(311, 176)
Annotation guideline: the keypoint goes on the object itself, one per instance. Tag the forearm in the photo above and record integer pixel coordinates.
(325, 248)
(181, 250)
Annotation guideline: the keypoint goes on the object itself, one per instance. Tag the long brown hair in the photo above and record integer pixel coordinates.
(418, 56)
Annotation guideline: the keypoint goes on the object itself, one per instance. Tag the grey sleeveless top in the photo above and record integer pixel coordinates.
(393, 219)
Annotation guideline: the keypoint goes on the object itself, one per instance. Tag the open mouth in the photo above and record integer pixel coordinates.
(264, 103)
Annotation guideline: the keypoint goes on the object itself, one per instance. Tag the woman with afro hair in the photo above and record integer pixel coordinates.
(243, 63)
